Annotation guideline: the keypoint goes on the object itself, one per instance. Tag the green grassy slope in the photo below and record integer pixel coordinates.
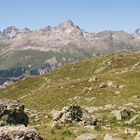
(70, 84)
(36, 58)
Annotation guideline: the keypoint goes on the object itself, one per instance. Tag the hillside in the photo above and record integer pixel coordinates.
(102, 85)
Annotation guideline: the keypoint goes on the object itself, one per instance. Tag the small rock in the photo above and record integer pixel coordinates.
(123, 114)
(87, 136)
(108, 137)
(109, 106)
(129, 131)
(122, 86)
(117, 92)
(103, 85)
(111, 84)
(90, 88)
(132, 120)
(93, 78)
(137, 136)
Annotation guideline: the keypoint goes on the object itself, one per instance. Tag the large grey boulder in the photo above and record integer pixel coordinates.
(75, 113)
(18, 133)
(12, 113)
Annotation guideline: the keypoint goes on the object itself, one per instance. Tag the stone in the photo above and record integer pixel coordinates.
(129, 131)
(117, 92)
(75, 113)
(12, 113)
(111, 84)
(87, 136)
(108, 137)
(122, 86)
(123, 114)
(137, 137)
(103, 85)
(90, 88)
(132, 120)
(93, 78)
(109, 106)
(19, 132)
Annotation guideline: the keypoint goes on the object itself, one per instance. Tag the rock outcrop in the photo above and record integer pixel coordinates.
(111, 84)
(13, 122)
(75, 113)
(124, 113)
(18, 133)
(12, 113)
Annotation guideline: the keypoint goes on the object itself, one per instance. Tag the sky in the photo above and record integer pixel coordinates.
(90, 15)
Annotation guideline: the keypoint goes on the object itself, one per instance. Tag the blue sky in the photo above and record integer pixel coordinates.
(91, 15)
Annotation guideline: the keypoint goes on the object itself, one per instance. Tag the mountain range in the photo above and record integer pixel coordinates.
(42, 50)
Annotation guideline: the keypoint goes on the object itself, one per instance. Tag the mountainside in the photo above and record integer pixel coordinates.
(43, 50)
(107, 86)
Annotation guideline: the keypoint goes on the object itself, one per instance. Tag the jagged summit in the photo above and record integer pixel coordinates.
(69, 23)
(12, 32)
(137, 31)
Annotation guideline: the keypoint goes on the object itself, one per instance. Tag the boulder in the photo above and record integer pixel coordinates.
(87, 136)
(19, 132)
(75, 113)
(124, 113)
(12, 113)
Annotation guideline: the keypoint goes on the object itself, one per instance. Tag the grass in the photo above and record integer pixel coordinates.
(24, 58)
(66, 85)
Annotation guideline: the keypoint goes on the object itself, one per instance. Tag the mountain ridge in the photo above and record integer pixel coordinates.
(58, 45)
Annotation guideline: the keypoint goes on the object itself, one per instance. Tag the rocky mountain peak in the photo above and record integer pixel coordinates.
(137, 31)
(67, 24)
(11, 32)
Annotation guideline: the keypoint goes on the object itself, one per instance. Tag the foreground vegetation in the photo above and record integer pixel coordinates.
(69, 84)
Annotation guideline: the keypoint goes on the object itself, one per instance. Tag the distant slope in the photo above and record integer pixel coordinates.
(70, 84)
